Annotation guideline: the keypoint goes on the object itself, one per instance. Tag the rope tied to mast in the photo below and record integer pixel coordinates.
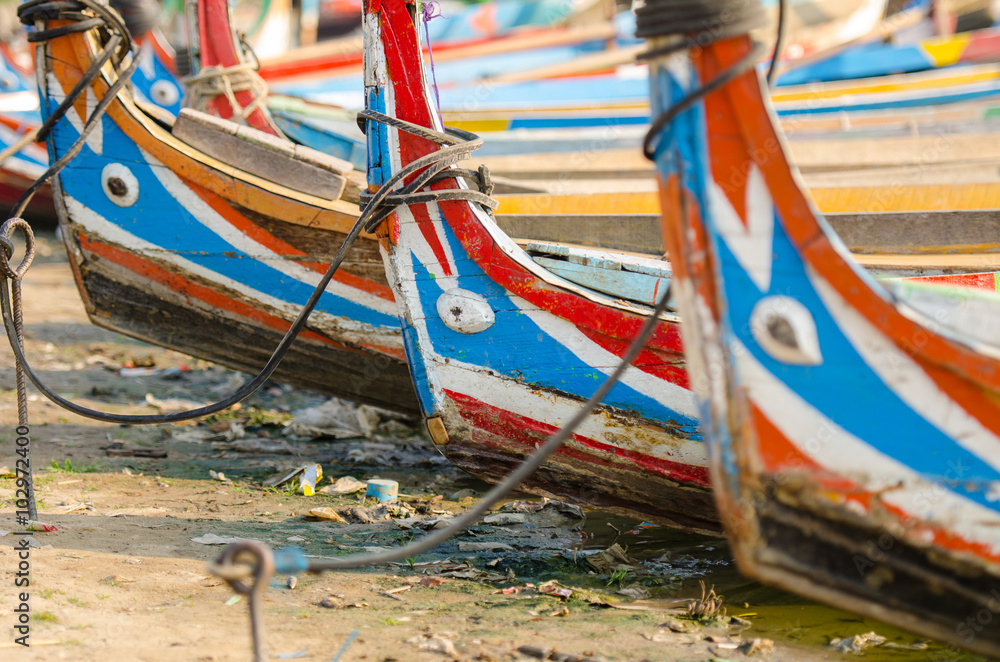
(455, 144)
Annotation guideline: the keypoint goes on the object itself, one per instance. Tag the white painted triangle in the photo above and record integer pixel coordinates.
(96, 139)
(753, 243)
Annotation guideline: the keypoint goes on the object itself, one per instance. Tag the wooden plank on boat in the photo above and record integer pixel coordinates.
(979, 150)
(620, 283)
(264, 155)
(906, 234)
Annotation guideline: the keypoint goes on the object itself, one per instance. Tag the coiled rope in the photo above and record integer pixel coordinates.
(698, 24)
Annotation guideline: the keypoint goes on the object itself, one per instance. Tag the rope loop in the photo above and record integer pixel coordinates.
(238, 562)
(435, 167)
(215, 81)
(99, 15)
(6, 231)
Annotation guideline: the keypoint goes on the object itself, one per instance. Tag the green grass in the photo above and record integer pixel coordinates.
(70, 467)
(45, 617)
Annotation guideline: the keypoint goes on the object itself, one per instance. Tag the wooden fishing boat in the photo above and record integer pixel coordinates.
(617, 100)
(456, 39)
(173, 243)
(503, 350)
(855, 451)
(882, 59)
(26, 165)
(505, 342)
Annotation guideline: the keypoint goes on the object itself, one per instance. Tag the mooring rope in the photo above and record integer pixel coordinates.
(232, 565)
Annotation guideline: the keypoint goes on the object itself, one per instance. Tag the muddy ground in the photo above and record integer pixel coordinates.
(124, 580)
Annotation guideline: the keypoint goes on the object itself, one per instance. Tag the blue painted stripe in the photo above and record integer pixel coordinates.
(518, 349)
(379, 157)
(909, 102)
(845, 388)
(163, 221)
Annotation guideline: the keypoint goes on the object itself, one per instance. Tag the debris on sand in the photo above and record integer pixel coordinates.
(259, 445)
(553, 654)
(858, 643)
(326, 515)
(304, 477)
(372, 514)
(484, 547)
(435, 643)
(634, 592)
(505, 519)
(337, 602)
(708, 607)
(756, 646)
(344, 486)
(172, 405)
(567, 510)
(212, 539)
(382, 490)
(335, 419)
(468, 571)
(219, 476)
(554, 589)
(610, 560)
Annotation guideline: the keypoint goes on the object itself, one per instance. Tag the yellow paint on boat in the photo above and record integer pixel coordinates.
(477, 126)
(595, 203)
(896, 84)
(907, 198)
(847, 200)
(947, 51)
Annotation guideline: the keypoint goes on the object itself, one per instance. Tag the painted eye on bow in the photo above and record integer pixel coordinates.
(8, 81)
(120, 185)
(164, 93)
(786, 330)
(465, 312)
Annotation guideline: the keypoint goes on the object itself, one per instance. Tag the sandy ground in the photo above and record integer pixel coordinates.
(123, 580)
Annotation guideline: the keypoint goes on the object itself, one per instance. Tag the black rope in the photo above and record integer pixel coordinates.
(700, 23)
(779, 44)
(33, 11)
(518, 476)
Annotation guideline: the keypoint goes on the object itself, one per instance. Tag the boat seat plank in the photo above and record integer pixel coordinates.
(638, 279)
(269, 157)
